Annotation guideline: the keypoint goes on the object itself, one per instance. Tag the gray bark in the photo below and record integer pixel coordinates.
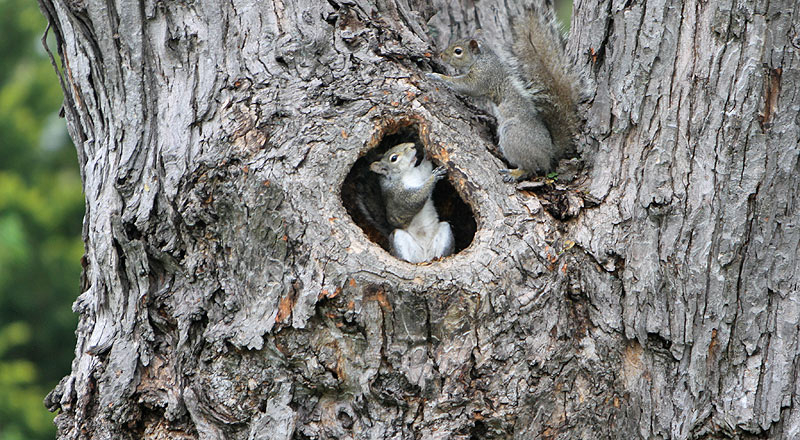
(228, 293)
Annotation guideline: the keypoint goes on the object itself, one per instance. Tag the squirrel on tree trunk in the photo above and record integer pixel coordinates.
(534, 93)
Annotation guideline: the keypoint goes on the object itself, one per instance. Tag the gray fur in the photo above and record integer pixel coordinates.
(419, 235)
(533, 94)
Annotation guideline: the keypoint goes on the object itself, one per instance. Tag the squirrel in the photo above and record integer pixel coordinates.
(407, 187)
(534, 94)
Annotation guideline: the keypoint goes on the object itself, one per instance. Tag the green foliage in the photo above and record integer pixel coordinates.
(41, 207)
(564, 12)
(20, 393)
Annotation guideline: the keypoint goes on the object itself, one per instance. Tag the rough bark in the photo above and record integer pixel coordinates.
(228, 293)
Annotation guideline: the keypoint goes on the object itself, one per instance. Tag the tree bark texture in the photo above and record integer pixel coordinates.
(228, 292)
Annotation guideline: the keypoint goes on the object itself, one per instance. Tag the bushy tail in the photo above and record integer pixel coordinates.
(553, 80)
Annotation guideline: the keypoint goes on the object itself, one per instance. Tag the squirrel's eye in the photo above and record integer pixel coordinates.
(458, 51)
(393, 158)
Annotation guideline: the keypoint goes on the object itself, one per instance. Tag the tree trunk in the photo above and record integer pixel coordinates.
(232, 291)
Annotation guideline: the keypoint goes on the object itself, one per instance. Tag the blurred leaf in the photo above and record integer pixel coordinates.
(564, 12)
(13, 334)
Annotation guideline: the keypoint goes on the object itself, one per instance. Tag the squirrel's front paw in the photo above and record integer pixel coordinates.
(439, 172)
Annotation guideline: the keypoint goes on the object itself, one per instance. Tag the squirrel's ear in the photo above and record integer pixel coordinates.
(378, 167)
(474, 47)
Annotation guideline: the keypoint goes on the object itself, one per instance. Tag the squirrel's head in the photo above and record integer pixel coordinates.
(462, 53)
(399, 158)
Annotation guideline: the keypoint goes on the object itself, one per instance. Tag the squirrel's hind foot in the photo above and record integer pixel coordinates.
(513, 175)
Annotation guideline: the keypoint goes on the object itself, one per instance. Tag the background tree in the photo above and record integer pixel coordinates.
(229, 294)
(40, 215)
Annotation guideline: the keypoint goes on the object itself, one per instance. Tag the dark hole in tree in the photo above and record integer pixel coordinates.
(361, 193)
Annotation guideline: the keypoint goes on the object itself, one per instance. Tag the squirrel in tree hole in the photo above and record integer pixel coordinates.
(407, 187)
(534, 92)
